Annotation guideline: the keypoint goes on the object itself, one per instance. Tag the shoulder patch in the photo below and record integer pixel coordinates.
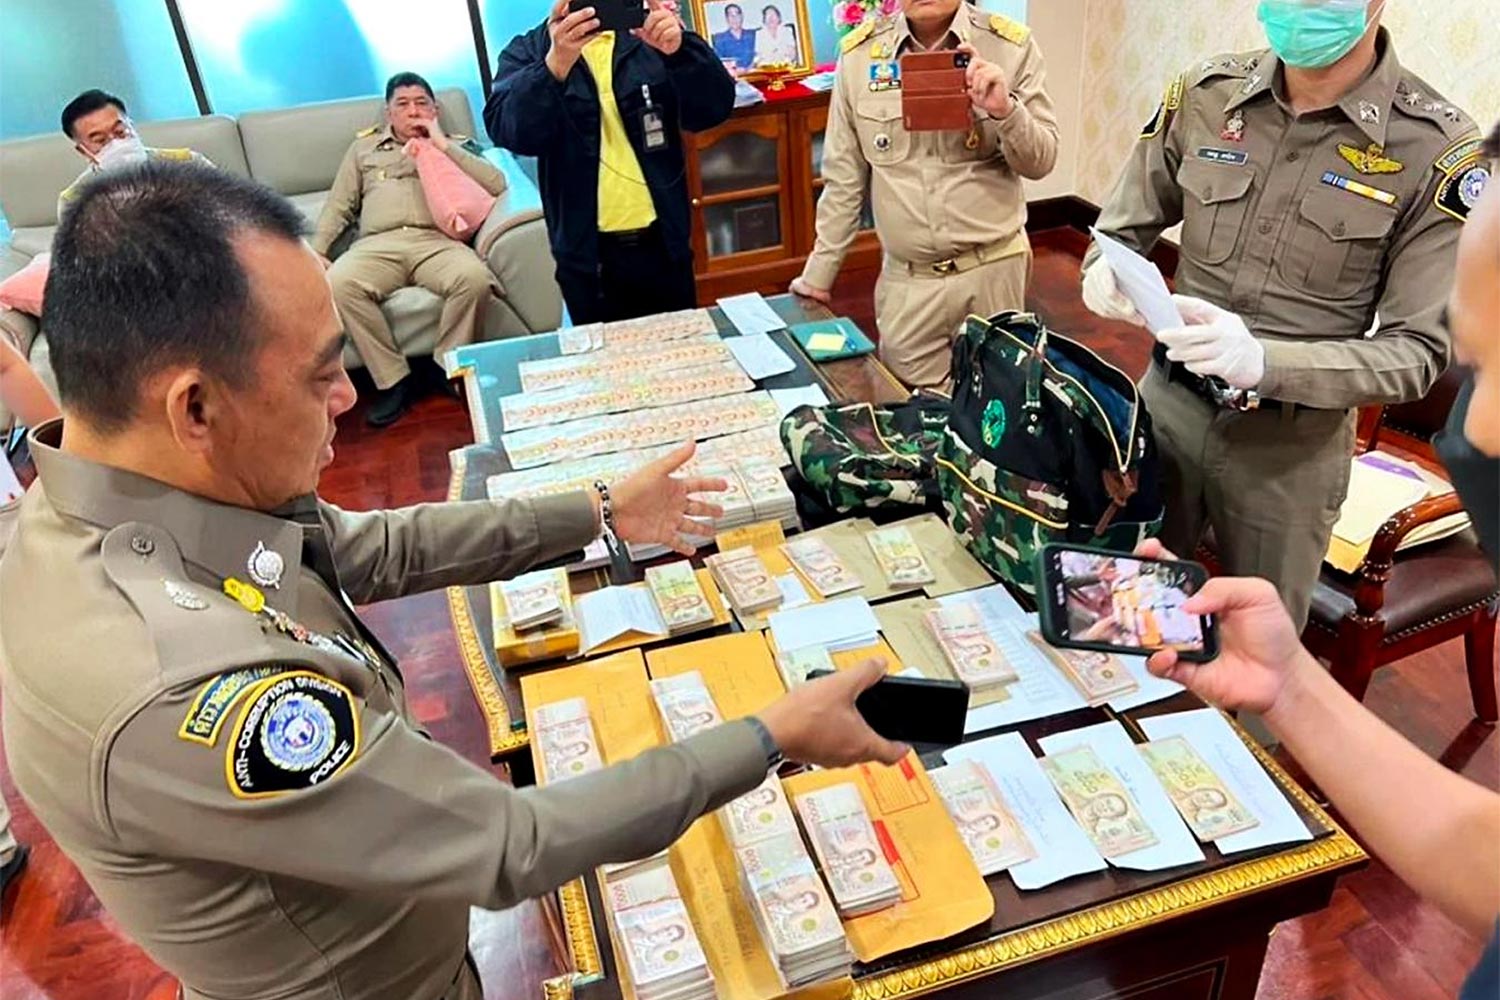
(297, 730)
(1170, 102)
(365, 133)
(211, 705)
(174, 154)
(1012, 31)
(1459, 190)
(1459, 153)
(850, 41)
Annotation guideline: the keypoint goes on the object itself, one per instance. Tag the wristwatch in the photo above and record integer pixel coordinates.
(774, 756)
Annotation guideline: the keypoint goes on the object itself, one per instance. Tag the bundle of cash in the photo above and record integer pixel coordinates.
(565, 736)
(686, 706)
(758, 815)
(553, 373)
(900, 558)
(743, 577)
(535, 599)
(796, 664)
(816, 560)
(1201, 796)
(677, 325)
(995, 839)
(1097, 675)
(848, 850)
(1098, 801)
(765, 487)
(796, 919)
(968, 647)
(661, 949)
(679, 597)
(620, 393)
(581, 339)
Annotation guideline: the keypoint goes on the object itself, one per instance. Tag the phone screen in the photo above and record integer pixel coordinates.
(1107, 599)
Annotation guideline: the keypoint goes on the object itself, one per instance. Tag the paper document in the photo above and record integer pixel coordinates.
(1175, 844)
(1141, 283)
(1063, 849)
(751, 314)
(1224, 751)
(846, 623)
(788, 400)
(793, 594)
(1151, 687)
(10, 486)
(1377, 491)
(610, 613)
(760, 356)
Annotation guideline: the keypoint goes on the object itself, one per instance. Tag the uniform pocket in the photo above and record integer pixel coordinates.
(1337, 242)
(882, 138)
(1214, 208)
(985, 136)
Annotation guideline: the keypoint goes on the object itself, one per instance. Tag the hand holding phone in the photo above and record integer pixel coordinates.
(1121, 603)
(614, 15)
(914, 709)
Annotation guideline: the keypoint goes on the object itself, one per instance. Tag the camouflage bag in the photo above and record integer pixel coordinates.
(1047, 442)
(857, 455)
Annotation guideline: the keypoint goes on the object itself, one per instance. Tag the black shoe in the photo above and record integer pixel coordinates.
(389, 404)
(12, 868)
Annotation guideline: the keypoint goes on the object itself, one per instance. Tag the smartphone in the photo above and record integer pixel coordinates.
(1116, 602)
(614, 15)
(914, 709)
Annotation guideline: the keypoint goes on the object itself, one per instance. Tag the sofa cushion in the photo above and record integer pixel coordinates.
(298, 150)
(32, 240)
(215, 136)
(23, 290)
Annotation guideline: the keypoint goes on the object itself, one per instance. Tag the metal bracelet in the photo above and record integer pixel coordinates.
(606, 508)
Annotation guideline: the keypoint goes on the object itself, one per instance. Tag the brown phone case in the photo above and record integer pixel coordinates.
(935, 92)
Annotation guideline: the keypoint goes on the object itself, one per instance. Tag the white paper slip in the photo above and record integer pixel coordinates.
(1141, 283)
(1175, 844)
(787, 400)
(10, 486)
(1063, 849)
(751, 314)
(760, 356)
(610, 613)
(1152, 688)
(995, 605)
(793, 594)
(847, 623)
(1223, 750)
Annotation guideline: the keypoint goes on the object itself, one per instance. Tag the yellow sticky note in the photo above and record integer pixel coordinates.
(826, 342)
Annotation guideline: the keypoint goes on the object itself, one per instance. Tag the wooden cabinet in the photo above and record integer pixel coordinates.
(755, 183)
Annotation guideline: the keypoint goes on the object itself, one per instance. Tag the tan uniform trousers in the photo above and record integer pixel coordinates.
(8, 515)
(1270, 482)
(375, 266)
(920, 314)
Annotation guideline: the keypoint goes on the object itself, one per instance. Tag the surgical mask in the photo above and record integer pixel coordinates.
(122, 153)
(1311, 34)
(1475, 476)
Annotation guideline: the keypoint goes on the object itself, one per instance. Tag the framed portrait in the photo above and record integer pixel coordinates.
(754, 36)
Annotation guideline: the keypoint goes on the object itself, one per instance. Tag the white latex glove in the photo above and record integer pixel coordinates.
(1215, 342)
(1104, 298)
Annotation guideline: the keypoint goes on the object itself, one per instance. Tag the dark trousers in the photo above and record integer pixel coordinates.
(636, 277)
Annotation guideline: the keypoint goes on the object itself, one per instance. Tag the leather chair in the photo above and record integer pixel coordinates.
(1400, 603)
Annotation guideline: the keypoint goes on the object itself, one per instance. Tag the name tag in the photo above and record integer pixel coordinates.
(1236, 156)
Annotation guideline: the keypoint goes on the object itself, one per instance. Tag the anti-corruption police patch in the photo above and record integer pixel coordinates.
(297, 729)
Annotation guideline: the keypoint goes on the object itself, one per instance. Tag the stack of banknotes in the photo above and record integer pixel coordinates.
(554, 373)
(743, 577)
(820, 566)
(900, 558)
(793, 911)
(967, 645)
(679, 597)
(1203, 799)
(663, 955)
(848, 850)
(622, 393)
(1099, 802)
(757, 492)
(685, 704)
(537, 599)
(565, 736)
(627, 332)
(1097, 675)
(995, 839)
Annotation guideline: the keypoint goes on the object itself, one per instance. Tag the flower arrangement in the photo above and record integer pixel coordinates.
(850, 14)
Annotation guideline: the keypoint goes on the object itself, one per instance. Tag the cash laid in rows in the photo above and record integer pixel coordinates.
(848, 850)
(900, 557)
(620, 394)
(554, 373)
(537, 599)
(663, 954)
(793, 911)
(822, 567)
(1203, 798)
(995, 838)
(1097, 675)
(1098, 801)
(678, 325)
(745, 580)
(565, 736)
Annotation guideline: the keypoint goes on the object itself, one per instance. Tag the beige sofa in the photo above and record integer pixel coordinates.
(297, 151)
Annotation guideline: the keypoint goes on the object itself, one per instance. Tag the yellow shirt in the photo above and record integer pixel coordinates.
(624, 199)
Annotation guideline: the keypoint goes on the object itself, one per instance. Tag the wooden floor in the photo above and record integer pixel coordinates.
(1375, 942)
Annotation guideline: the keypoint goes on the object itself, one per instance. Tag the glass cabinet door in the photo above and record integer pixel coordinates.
(741, 190)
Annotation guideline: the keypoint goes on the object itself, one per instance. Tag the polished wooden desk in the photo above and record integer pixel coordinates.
(1193, 933)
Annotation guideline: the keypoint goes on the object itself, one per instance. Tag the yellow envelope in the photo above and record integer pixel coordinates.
(765, 538)
(737, 669)
(904, 625)
(618, 697)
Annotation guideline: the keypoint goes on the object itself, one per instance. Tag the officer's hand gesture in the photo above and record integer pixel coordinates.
(432, 131)
(1215, 342)
(988, 88)
(662, 30)
(569, 34)
(655, 507)
(801, 287)
(817, 722)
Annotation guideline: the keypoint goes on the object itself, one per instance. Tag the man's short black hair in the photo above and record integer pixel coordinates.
(1492, 144)
(734, 7)
(87, 103)
(406, 79)
(144, 275)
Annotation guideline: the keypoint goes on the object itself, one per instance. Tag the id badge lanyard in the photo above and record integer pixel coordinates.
(653, 128)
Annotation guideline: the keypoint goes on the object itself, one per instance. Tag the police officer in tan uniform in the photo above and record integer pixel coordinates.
(192, 707)
(399, 244)
(1321, 188)
(949, 207)
(104, 135)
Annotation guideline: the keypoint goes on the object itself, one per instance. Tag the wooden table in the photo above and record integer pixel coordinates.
(1193, 933)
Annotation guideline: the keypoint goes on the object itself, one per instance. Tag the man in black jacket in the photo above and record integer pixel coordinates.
(603, 115)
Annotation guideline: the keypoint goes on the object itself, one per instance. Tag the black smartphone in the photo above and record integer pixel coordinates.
(1116, 602)
(914, 709)
(614, 15)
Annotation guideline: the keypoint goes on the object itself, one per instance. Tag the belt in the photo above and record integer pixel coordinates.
(968, 260)
(1215, 391)
(629, 237)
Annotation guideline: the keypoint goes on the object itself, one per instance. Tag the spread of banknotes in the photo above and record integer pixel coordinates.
(1205, 802)
(621, 393)
(565, 736)
(848, 850)
(743, 577)
(793, 911)
(995, 839)
(678, 325)
(900, 557)
(630, 359)
(1097, 675)
(1098, 801)
(679, 597)
(758, 815)
(821, 566)
(969, 648)
(686, 706)
(662, 952)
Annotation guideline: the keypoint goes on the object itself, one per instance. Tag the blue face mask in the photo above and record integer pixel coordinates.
(1311, 34)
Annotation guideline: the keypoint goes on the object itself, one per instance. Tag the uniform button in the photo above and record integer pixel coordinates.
(1338, 229)
(142, 546)
(1293, 156)
(1266, 226)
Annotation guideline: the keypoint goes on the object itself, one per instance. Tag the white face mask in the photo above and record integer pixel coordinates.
(121, 153)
